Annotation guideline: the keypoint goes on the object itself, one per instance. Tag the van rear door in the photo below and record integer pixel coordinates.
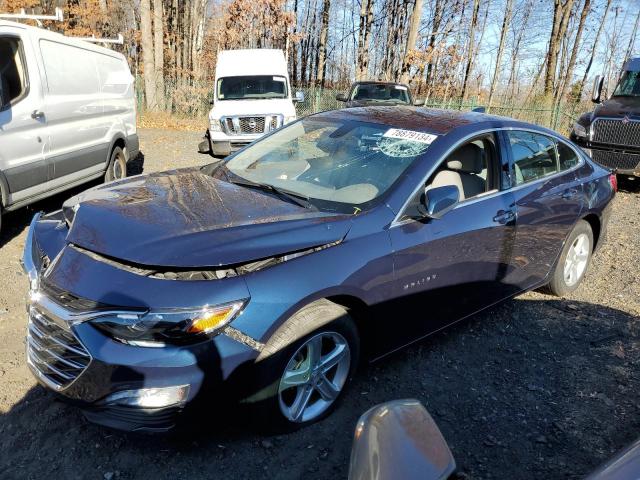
(24, 141)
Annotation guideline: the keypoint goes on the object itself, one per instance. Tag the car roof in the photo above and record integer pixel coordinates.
(432, 120)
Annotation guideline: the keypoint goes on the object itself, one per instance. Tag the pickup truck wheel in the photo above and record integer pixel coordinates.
(573, 261)
(117, 168)
(304, 378)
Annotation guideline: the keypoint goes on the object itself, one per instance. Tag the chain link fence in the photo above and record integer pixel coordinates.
(191, 100)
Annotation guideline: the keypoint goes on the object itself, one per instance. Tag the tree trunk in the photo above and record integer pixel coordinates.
(158, 47)
(366, 14)
(594, 49)
(470, 50)
(416, 16)
(568, 77)
(147, 55)
(506, 21)
(322, 47)
(561, 14)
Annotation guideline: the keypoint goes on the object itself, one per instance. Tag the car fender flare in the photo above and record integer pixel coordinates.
(321, 299)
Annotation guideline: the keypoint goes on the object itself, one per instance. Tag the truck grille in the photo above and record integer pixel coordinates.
(616, 132)
(250, 125)
(616, 160)
(53, 351)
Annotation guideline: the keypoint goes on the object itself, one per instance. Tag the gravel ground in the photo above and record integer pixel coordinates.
(538, 387)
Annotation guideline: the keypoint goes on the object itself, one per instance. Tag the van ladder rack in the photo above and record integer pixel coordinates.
(118, 41)
(23, 15)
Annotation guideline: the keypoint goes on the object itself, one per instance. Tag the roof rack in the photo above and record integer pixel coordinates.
(23, 15)
(119, 40)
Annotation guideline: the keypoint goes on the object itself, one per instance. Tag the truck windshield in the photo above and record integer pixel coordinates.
(381, 92)
(253, 87)
(336, 164)
(629, 85)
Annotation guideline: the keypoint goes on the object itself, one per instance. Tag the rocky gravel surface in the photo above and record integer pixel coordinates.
(537, 387)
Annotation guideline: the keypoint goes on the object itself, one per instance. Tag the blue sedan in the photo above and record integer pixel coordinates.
(265, 278)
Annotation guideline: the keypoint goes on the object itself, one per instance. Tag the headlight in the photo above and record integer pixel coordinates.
(289, 119)
(155, 329)
(579, 130)
(214, 125)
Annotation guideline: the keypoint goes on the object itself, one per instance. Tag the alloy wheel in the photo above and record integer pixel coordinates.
(314, 377)
(577, 257)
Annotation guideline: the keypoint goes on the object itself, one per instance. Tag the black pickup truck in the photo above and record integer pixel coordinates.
(612, 130)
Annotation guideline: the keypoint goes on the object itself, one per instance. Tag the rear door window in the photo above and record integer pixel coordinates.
(13, 74)
(534, 156)
(567, 156)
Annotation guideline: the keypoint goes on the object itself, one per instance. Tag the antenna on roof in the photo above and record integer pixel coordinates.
(23, 15)
(93, 39)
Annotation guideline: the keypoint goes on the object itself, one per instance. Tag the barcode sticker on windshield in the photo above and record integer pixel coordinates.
(410, 135)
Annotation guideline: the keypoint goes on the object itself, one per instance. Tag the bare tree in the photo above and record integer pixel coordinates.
(322, 47)
(506, 21)
(147, 55)
(561, 15)
(158, 47)
(412, 36)
(594, 49)
(471, 48)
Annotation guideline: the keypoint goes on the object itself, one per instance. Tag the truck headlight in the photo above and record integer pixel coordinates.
(579, 130)
(179, 326)
(214, 125)
(289, 119)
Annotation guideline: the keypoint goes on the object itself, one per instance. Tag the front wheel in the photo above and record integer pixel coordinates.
(304, 375)
(117, 168)
(573, 262)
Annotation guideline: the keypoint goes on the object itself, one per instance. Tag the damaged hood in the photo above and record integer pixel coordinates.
(187, 219)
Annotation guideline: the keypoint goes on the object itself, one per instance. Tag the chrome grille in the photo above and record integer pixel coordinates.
(252, 124)
(616, 160)
(249, 125)
(53, 351)
(616, 132)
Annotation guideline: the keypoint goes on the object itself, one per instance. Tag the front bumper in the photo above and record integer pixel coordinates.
(72, 358)
(221, 145)
(623, 162)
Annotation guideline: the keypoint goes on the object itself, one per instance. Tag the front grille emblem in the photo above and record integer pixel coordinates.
(625, 119)
(252, 123)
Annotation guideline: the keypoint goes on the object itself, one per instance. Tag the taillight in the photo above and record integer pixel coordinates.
(613, 180)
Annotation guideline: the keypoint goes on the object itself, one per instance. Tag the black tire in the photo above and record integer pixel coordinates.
(321, 319)
(559, 284)
(117, 167)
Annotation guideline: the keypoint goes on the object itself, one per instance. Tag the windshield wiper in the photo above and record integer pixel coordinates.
(294, 197)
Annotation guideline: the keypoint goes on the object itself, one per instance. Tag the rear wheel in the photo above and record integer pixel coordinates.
(117, 168)
(573, 262)
(304, 375)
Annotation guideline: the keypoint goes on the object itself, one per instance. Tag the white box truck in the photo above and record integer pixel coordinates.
(67, 114)
(252, 96)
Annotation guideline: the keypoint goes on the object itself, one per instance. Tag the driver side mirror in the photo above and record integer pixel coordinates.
(299, 98)
(440, 200)
(418, 103)
(596, 94)
(341, 97)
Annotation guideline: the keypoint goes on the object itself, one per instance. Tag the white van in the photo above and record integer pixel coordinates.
(252, 96)
(67, 114)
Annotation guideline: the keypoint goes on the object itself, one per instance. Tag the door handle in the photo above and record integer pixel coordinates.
(569, 194)
(504, 217)
(37, 115)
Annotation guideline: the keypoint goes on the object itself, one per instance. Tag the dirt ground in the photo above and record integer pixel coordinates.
(538, 387)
